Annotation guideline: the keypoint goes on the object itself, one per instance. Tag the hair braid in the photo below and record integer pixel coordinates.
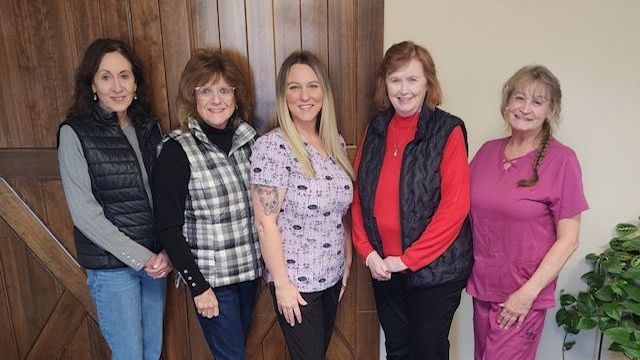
(542, 148)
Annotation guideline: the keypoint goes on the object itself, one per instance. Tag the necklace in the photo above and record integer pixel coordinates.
(395, 141)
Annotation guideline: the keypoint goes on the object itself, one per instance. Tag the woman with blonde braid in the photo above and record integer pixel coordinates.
(526, 200)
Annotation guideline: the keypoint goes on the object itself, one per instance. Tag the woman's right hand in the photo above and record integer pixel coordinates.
(289, 301)
(377, 267)
(207, 304)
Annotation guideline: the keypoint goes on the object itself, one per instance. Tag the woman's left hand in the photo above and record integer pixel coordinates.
(160, 267)
(516, 308)
(395, 264)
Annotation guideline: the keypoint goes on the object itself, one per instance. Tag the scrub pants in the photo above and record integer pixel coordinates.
(494, 343)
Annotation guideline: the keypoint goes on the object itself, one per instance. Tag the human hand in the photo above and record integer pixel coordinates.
(515, 308)
(377, 267)
(158, 265)
(345, 278)
(289, 301)
(394, 264)
(207, 304)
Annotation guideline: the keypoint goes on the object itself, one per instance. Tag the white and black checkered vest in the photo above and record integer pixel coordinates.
(219, 221)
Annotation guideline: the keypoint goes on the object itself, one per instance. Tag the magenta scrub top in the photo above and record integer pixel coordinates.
(514, 227)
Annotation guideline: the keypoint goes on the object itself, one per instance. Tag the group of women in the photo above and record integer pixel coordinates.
(214, 203)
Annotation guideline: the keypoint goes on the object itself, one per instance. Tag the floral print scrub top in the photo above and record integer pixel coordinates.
(310, 221)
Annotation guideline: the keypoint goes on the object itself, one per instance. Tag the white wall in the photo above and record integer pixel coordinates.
(593, 47)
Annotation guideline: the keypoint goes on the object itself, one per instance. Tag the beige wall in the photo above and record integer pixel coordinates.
(593, 46)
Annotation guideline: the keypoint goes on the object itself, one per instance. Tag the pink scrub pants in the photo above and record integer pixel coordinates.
(494, 343)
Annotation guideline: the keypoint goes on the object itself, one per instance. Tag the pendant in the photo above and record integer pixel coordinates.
(395, 153)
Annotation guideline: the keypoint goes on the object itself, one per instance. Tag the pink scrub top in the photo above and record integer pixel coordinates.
(514, 227)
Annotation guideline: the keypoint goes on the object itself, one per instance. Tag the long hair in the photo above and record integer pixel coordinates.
(206, 65)
(82, 103)
(327, 126)
(399, 55)
(536, 75)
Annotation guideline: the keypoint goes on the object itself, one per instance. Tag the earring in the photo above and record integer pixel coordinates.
(135, 97)
(95, 97)
(236, 107)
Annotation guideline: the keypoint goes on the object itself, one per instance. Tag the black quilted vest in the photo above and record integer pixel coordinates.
(116, 182)
(419, 192)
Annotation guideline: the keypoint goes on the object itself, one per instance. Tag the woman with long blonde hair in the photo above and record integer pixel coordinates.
(301, 190)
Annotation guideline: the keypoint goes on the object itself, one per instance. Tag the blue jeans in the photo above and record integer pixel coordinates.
(226, 334)
(130, 306)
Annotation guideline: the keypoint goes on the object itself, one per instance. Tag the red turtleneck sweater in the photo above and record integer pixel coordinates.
(451, 212)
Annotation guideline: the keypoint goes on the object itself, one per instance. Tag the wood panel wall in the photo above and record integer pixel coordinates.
(41, 44)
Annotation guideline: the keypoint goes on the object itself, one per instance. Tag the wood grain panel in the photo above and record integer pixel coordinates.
(44, 246)
(286, 23)
(175, 42)
(204, 24)
(261, 52)
(346, 317)
(29, 163)
(370, 17)
(147, 35)
(314, 23)
(58, 215)
(342, 64)
(60, 328)
(29, 306)
(83, 23)
(232, 23)
(176, 323)
(79, 346)
(99, 348)
(115, 16)
(8, 345)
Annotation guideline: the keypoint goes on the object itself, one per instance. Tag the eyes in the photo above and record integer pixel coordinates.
(296, 88)
(395, 82)
(521, 99)
(124, 76)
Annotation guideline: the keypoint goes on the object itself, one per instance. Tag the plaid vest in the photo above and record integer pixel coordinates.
(218, 215)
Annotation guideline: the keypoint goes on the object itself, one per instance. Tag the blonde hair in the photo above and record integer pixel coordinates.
(530, 76)
(326, 126)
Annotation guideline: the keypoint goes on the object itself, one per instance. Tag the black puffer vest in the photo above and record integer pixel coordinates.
(419, 192)
(116, 182)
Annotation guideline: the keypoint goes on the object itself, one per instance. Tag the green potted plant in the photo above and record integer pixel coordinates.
(611, 301)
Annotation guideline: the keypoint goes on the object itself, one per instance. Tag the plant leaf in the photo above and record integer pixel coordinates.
(568, 345)
(632, 244)
(632, 350)
(605, 293)
(613, 265)
(632, 306)
(632, 274)
(616, 288)
(593, 279)
(591, 258)
(635, 262)
(626, 228)
(606, 323)
(612, 310)
(586, 323)
(632, 290)
(619, 334)
(567, 299)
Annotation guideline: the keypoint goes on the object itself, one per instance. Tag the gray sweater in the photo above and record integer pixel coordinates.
(86, 212)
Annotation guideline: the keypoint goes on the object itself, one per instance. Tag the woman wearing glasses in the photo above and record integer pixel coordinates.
(201, 191)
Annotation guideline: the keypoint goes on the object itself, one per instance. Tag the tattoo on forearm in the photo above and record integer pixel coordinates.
(268, 199)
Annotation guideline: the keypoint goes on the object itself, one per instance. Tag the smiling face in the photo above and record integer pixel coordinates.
(215, 102)
(528, 108)
(114, 83)
(304, 93)
(407, 88)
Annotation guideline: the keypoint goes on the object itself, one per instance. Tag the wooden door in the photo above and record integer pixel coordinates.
(45, 311)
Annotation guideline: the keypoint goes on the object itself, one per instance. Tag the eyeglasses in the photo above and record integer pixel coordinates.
(206, 92)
